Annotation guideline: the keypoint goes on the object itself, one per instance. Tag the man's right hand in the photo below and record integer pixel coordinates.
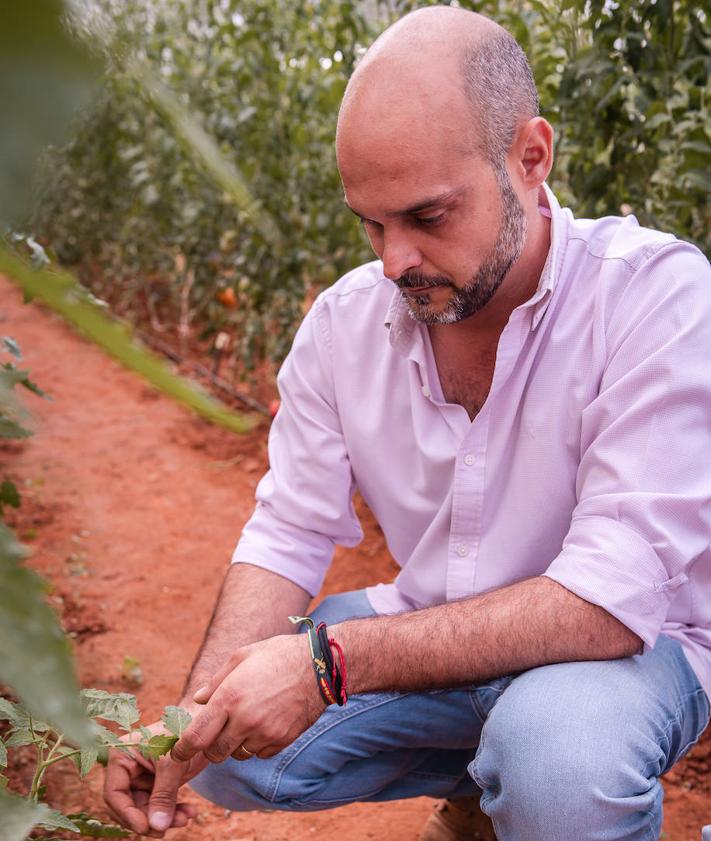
(142, 793)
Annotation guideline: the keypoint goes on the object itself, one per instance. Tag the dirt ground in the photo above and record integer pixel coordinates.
(132, 506)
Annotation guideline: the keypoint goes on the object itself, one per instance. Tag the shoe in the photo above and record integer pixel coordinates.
(459, 819)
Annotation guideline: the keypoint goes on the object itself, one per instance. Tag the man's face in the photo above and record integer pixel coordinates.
(447, 227)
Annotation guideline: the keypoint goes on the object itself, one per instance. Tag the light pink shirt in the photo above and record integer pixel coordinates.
(590, 461)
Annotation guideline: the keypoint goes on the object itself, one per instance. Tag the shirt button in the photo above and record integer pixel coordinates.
(426, 391)
(462, 550)
(469, 459)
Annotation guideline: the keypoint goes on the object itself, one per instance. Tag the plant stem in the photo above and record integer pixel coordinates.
(39, 770)
(43, 762)
(49, 762)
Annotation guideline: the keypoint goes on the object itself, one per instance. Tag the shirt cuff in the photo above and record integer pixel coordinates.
(300, 555)
(611, 565)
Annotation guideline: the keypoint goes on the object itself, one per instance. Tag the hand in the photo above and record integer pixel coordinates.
(263, 698)
(142, 793)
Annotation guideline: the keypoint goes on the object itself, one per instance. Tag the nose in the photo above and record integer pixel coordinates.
(399, 254)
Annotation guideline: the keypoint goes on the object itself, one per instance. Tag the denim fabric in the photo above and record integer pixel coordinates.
(561, 752)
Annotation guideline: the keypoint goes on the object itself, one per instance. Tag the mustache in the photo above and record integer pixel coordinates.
(415, 280)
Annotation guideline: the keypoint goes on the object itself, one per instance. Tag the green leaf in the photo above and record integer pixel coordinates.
(46, 74)
(30, 634)
(94, 828)
(11, 346)
(56, 820)
(88, 759)
(11, 375)
(107, 737)
(19, 816)
(12, 429)
(9, 495)
(18, 738)
(63, 294)
(3, 754)
(13, 713)
(119, 707)
(157, 746)
(176, 719)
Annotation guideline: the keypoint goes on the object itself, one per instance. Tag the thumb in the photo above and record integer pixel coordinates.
(161, 805)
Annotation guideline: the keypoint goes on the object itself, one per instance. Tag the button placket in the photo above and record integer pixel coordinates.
(467, 500)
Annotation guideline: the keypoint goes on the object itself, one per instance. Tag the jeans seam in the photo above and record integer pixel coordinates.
(315, 732)
(675, 719)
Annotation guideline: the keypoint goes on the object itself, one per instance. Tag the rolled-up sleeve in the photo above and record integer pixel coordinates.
(305, 501)
(643, 488)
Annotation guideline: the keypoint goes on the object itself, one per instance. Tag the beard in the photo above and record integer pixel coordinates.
(482, 286)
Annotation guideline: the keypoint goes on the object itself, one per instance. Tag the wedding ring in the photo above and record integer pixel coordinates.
(242, 753)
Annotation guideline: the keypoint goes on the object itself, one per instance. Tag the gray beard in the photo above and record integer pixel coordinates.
(482, 287)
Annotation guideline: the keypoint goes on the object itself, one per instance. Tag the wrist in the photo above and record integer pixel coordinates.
(327, 661)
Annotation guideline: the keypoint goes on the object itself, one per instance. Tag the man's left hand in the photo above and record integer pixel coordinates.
(258, 703)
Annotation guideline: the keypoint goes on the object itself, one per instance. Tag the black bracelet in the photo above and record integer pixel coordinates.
(321, 662)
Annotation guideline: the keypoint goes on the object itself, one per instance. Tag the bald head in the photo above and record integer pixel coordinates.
(446, 70)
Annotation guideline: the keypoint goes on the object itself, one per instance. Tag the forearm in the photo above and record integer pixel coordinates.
(528, 624)
(253, 605)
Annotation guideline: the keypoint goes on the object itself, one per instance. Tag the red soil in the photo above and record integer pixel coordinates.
(131, 506)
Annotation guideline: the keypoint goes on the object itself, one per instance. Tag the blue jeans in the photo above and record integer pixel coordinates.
(561, 752)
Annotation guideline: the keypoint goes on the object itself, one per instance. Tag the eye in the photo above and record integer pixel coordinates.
(431, 221)
(370, 223)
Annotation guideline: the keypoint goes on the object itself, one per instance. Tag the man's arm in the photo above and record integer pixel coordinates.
(253, 604)
(527, 624)
(530, 623)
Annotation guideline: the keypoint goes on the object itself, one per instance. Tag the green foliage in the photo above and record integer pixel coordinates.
(19, 816)
(81, 309)
(50, 746)
(176, 719)
(45, 76)
(625, 84)
(13, 416)
(34, 654)
(265, 80)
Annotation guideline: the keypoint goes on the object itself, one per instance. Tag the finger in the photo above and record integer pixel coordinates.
(228, 741)
(268, 751)
(119, 795)
(162, 801)
(200, 734)
(188, 809)
(204, 693)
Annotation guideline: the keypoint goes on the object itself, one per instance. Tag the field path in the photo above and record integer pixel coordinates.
(132, 507)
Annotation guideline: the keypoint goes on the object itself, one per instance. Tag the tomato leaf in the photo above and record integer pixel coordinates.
(157, 746)
(176, 719)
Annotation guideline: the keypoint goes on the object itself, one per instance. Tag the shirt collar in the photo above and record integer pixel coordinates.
(403, 327)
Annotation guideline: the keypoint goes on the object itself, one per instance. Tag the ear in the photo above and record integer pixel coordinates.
(531, 155)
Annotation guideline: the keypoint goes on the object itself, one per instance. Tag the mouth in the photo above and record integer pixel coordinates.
(418, 290)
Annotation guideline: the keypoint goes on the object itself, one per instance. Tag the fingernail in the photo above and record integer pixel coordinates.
(201, 691)
(160, 820)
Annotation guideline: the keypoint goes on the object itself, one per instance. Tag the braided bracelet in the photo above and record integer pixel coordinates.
(330, 675)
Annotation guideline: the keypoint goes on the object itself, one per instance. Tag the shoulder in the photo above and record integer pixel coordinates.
(621, 244)
(633, 268)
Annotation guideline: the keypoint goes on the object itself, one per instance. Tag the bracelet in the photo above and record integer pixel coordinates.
(330, 675)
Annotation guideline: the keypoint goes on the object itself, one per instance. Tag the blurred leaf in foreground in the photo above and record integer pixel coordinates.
(19, 816)
(34, 653)
(45, 74)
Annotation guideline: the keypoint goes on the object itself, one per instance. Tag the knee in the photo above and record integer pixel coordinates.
(552, 760)
(259, 784)
(233, 785)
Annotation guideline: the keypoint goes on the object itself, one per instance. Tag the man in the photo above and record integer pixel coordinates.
(522, 400)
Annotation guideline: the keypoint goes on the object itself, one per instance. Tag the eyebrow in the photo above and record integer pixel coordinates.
(441, 199)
